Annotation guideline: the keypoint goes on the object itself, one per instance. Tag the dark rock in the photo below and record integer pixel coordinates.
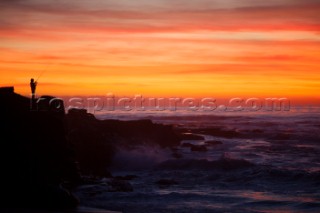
(117, 185)
(91, 180)
(93, 146)
(198, 148)
(223, 163)
(213, 143)
(166, 182)
(50, 104)
(36, 158)
(45, 153)
(6, 90)
(281, 136)
(141, 132)
(187, 145)
(127, 177)
(177, 155)
(195, 148)
(96, 141)
(190, 136)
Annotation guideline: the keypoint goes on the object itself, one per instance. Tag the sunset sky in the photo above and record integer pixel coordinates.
(197, 48)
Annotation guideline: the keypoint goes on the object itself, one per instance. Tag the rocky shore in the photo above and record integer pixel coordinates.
(47, 152)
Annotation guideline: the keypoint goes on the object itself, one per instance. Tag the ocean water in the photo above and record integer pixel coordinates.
(270, 164)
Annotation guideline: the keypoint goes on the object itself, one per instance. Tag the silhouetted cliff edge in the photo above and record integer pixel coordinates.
(37, 164)
(41, 148)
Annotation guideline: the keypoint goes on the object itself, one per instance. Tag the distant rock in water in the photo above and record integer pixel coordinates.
(213, 143)
(166, 182)
(187, 145)
(195, 148)
(190, 136)
(116, 185)
(223, 163)
(198, 148)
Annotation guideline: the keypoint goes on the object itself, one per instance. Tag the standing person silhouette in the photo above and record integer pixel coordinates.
(33, 85)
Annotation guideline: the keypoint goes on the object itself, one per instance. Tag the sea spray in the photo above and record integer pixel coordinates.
(139, 157)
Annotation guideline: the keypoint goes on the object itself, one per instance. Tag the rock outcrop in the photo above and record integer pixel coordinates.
(37, 164)
(45, 152)
(96, 141)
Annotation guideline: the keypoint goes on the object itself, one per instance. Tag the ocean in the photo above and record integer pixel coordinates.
(247, 162)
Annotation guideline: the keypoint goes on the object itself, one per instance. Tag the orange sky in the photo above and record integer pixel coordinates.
(185, 48)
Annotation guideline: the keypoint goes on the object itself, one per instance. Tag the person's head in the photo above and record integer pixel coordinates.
(32, 80)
